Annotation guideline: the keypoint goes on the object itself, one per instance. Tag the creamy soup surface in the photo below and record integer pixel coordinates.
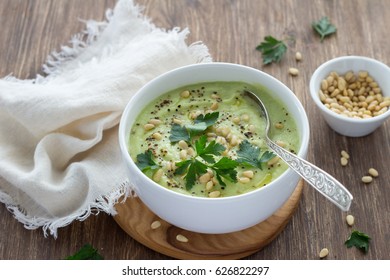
(213, 119)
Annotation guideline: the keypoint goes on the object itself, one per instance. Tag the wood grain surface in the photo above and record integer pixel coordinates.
(231, 30)
(137, 220)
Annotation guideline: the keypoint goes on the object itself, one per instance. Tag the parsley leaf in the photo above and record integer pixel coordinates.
(209, 119)
(249, 154)
(178, 133)
(207, 152)
(323, 27)
(187, 132)
(225, 168)
(87, 252)
(145, 161)
(272, 50)
(193, 168)
(359, 240)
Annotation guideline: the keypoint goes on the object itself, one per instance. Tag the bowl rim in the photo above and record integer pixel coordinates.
(316, 99)
(303, 148)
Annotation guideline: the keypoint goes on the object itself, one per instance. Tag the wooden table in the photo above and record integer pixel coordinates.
(231, 29)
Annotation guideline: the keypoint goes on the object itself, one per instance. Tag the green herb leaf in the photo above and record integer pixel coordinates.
(145, 161)
(249, 154)
(225, 168)
(87, 252)
(195, 170)
(182, 167)
(272, 50)
(209, 119)
(178, 133)
(196, 129)
(207, 152)
(323, 27)
(187, 132)
(359, 240)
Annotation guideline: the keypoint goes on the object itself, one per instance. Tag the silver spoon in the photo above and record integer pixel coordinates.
(316, 177)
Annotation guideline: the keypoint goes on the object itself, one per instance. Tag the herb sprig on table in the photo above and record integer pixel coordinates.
(272, 50)
(87, 252)
(323, 27)
(358, 239)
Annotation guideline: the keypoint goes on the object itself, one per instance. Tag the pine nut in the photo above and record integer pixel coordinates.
(324, 85)
(298, 56)
(190, 151)
(252, 128)
(236, 120)
(157, 175)
(185, 94)
(155, 121)
(281, 143)
(273, 161)
(214, 106)
(350, 220)
(248, 174)
(279, 125)
(343, 161)
(234, 141)
(244, 180)
(341, 84)
(204, 178)
(181, 238)
(177, 121)
(149, 126)
(214, 194)
(344, 154)
(373, 172)
(209, 185)
(215, 96)
(245, 117)
(183, 144)
(385, 103)
(225, 131)
(157, 136)
(366, 179)
(324, 252)
(183, 154)
(155, 225)
(293, 71)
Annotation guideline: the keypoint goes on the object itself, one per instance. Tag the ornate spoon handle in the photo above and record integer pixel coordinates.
(319, 179)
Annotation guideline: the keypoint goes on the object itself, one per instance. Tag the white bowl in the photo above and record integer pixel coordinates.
(342, 124)
(212, 215)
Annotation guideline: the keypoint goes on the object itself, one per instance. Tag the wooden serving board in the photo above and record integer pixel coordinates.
(136, 220)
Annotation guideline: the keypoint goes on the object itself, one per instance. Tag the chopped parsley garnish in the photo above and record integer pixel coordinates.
(272, 50)
(145, 161)
(207, 154)
(323, 27)
(249, 154)
(194, 168)
(187, 132)
(359, 240)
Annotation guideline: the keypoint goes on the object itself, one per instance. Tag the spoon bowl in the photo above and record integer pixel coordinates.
(316, 177)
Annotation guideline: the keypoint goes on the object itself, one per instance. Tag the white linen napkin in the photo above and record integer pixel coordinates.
(59, 152)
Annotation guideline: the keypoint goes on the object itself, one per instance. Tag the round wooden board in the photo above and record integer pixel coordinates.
(136, 219)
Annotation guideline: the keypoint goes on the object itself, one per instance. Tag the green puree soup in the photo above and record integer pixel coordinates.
(207, 139)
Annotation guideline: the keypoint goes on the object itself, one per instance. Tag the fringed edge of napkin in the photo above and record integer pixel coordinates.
(54, 62)
(105, 203)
